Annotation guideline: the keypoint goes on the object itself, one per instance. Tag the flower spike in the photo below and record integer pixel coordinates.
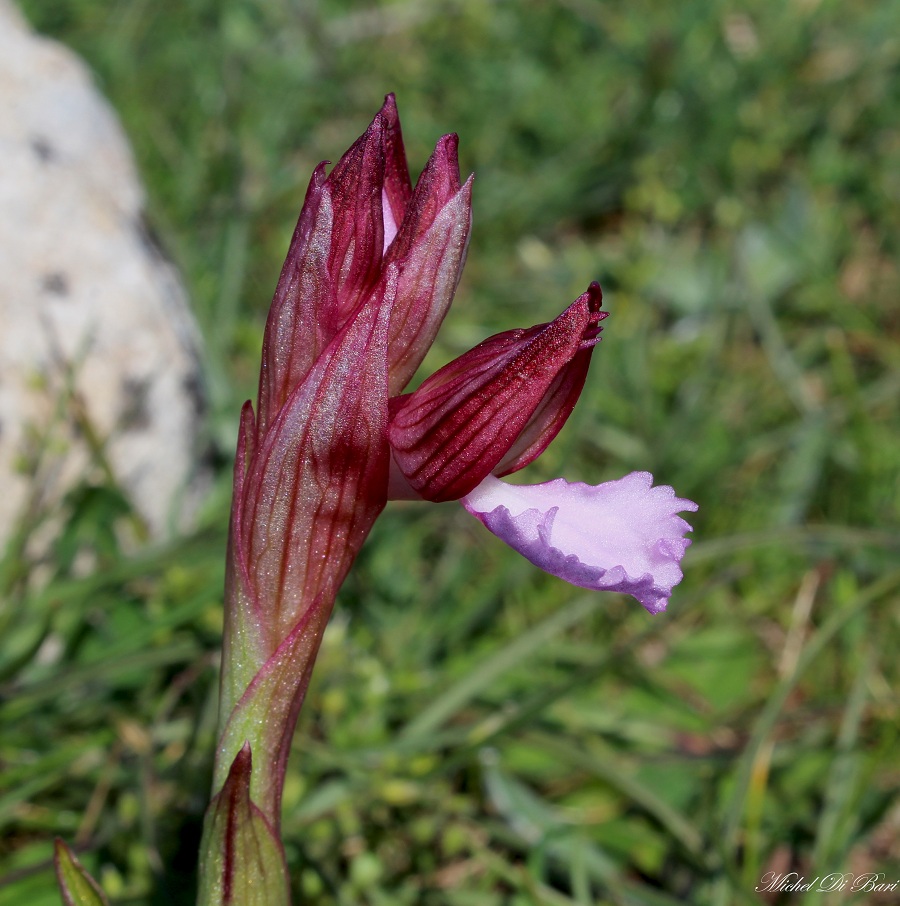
(370, 274)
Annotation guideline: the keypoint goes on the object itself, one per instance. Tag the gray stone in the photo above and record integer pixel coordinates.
(99, 374)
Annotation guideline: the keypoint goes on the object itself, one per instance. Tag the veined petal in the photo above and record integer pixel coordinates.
(335, 255)
(618, 536)
(303, 306)
(464, 420)
(437, 184)
(357, 242)
(429, 274)
(319, 478)
(397, 184)
(429, 249)
(551, 414)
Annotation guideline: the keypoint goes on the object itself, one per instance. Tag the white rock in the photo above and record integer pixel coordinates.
(99, 369)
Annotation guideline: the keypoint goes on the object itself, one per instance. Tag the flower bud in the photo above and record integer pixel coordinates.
(496, 407)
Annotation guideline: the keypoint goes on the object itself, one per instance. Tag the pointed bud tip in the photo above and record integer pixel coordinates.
(592, 298)
(449, 143)
(76, 885)
(442, 168)
(390, 115)
(379, 126)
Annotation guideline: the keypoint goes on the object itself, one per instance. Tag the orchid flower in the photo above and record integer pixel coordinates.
(493, 411)
(369, 276)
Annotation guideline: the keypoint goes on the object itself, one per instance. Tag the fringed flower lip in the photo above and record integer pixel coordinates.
(622, 535)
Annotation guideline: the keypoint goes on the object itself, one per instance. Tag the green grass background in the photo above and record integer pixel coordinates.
(478, 732)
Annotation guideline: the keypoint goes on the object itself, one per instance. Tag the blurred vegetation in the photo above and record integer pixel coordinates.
(477, 732)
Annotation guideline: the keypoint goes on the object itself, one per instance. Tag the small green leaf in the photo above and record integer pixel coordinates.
(78, 888)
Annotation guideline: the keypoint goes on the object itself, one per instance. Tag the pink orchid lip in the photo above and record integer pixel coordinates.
(621, 536)
(497, 406)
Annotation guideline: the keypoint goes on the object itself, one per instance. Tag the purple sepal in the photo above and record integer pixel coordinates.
(618, 536)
